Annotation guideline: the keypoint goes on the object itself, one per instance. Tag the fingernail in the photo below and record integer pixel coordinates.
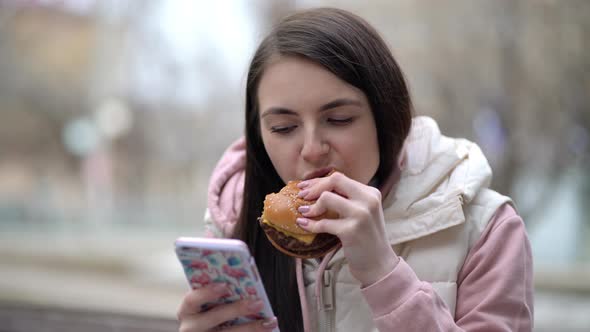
(255, 305)
(303, 209)
(303, 193)
(302, 184)
(302, 221)
(220, 288)
(270, 323)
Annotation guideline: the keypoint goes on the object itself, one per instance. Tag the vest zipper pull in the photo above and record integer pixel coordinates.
(327, 291)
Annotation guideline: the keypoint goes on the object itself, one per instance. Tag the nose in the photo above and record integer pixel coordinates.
(315, 147)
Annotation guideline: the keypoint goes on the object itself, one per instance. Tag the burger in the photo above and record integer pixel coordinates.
(278, 221)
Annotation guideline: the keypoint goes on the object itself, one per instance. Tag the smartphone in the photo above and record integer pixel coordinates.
(209, 260)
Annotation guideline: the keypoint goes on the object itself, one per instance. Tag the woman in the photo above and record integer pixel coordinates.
(426, 245)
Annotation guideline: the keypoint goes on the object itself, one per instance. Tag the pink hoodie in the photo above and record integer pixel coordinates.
(499, 263)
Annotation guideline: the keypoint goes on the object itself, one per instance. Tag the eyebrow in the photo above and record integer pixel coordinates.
(333, 104)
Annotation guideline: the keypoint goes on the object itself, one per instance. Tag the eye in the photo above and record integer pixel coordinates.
(282, 129)
(340, 121)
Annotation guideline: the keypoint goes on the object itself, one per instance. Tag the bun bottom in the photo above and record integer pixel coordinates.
(322, 244)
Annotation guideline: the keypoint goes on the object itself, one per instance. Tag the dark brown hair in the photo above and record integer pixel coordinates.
(351, 49)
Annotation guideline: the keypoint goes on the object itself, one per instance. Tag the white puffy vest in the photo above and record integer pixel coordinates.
(433, 217)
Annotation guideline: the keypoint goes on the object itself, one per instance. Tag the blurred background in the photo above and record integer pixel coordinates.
(113, 114)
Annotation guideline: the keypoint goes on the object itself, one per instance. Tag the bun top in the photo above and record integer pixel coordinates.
(281, 209)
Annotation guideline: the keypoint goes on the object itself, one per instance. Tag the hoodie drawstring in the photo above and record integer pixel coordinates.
(307, 327)
(302, 296)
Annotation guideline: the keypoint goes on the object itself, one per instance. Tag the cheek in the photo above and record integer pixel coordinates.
(361, 155)
(282, 157)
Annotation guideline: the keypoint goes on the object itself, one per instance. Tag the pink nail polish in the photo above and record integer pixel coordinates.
(255, 305)
(303, 209)
(270, 323)
(303, 193)
(302, 221)
(302, 184)
(220, 288)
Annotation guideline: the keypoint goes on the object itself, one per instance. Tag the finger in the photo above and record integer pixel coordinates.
(331, 226)
(306, 183)
(193, 300)
(328, 201)
(226, 312)
(337, 182)
(192, 324)
(259, 325)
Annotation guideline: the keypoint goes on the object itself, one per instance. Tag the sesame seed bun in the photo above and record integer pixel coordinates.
(278, 221)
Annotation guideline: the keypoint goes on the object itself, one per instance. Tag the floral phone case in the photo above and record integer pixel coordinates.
(207, 261)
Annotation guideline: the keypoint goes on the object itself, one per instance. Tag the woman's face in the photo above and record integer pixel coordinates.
(312, 121)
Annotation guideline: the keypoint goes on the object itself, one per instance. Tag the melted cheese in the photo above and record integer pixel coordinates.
(306, 238)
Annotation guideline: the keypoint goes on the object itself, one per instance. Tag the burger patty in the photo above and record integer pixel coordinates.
(321, 244)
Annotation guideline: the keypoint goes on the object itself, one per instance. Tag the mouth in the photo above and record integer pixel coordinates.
(318, 173)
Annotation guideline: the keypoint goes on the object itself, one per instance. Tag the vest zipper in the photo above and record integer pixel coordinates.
(327, 291)
(325, 297)
(327, 300)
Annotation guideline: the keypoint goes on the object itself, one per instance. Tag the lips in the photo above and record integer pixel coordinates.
(318, 173)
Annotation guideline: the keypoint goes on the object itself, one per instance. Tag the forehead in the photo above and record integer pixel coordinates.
(290, 81)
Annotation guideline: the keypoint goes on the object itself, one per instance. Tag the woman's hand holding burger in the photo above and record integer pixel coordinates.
(360, 226)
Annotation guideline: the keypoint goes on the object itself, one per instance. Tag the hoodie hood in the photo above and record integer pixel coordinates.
(437, 175)
(441, 174)
(226, 188)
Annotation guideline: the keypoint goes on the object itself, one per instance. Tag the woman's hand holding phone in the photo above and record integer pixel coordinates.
(192, 318)
(227, 293)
